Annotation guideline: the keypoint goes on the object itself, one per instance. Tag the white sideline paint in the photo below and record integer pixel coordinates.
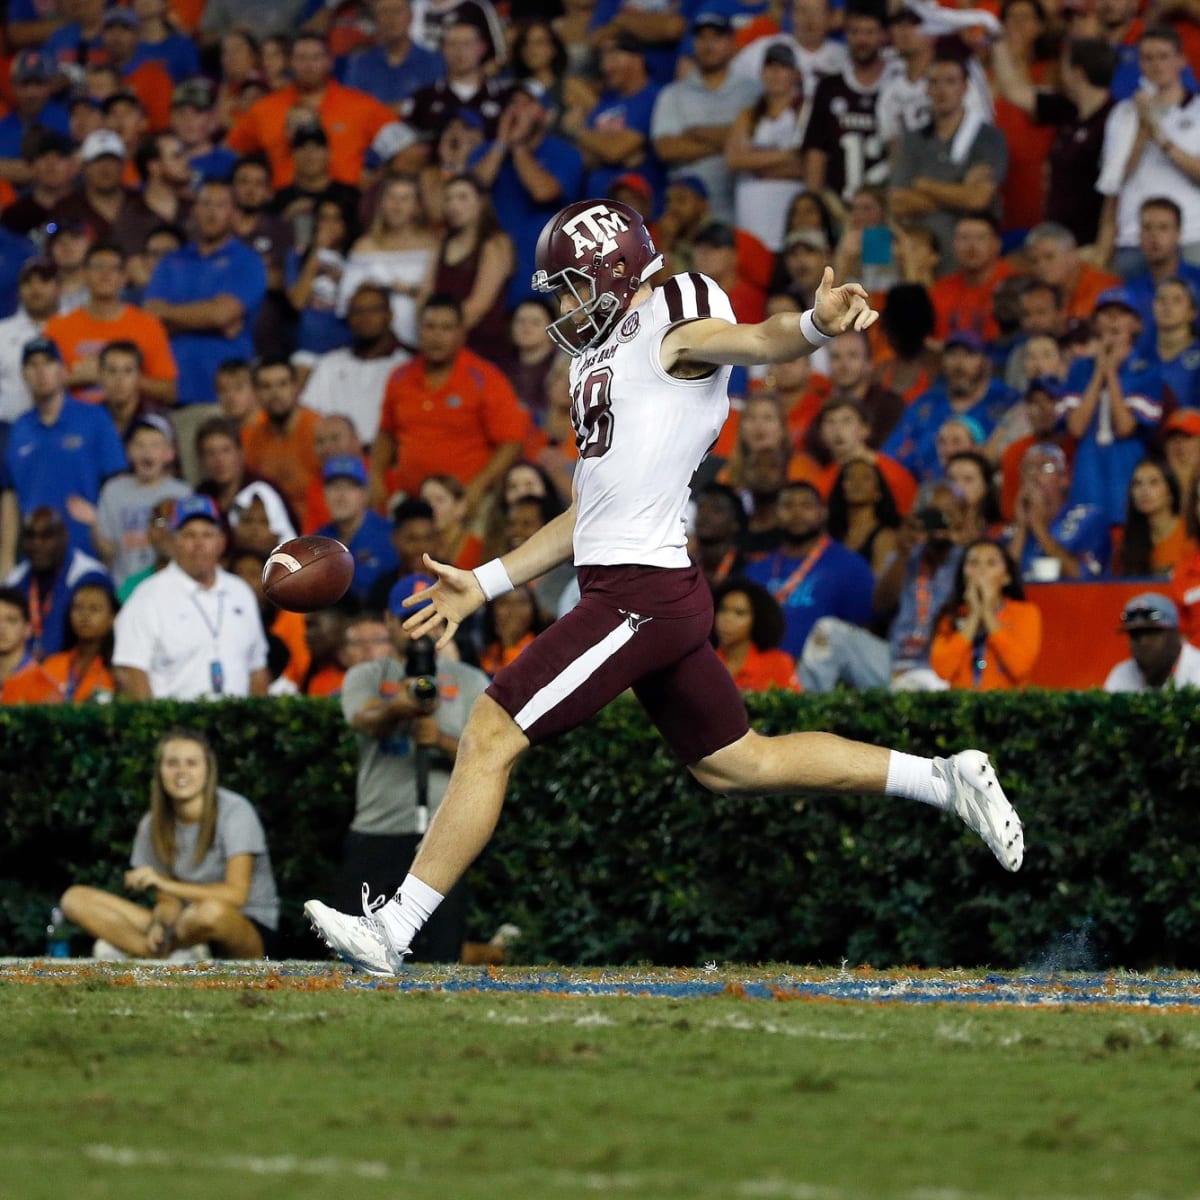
(249, 1164)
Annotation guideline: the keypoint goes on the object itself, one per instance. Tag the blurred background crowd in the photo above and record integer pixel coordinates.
(265, 269)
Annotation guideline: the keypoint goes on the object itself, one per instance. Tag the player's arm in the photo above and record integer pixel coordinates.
(457, 594)
(781, 338)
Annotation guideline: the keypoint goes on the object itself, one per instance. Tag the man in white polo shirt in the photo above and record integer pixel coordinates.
(1151, 148)
(192, 630)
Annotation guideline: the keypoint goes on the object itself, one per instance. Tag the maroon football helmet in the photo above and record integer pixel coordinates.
(599, 252)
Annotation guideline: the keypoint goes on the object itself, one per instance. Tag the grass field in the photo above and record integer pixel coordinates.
(214, 1083)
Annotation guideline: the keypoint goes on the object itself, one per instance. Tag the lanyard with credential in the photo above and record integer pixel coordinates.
(215, 670)
(797, 577)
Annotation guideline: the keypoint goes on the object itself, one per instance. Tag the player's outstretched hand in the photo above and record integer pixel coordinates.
(453, 598)
(836, 309)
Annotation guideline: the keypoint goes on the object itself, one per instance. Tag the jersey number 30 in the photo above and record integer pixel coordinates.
(593, 414)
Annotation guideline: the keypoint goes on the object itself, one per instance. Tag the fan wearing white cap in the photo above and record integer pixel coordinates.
(1162, 660)
(100, 199)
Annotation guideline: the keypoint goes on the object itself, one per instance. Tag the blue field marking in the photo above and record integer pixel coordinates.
(1159, 989)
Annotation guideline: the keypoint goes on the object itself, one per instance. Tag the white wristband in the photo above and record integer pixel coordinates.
(493, 579)
(812, 335)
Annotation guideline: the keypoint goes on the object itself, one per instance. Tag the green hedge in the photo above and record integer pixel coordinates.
(608, 852)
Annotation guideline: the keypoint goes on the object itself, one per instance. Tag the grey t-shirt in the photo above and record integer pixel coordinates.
(687, 103)
(239, 831)
(922, 155)
(387, 773)
(123, 518)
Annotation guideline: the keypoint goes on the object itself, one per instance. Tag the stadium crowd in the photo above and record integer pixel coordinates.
(266, 269)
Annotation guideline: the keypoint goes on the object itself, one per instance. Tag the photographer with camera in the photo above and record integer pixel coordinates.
(911, 589)
(407, 711)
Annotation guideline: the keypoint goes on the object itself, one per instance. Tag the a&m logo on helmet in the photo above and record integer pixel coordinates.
(594, 230)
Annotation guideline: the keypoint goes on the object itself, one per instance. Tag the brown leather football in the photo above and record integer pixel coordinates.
(308, 573)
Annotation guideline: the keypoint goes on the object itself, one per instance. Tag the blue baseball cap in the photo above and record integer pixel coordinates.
(407, 586)
(967, 339)
(192, 508)
(345, 466)
(40, 345)
(1117, 297)
(1150, 610)
(712, 20)
(693, 183)
(33, 65)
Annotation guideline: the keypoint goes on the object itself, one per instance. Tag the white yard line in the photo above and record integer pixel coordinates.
(249, 1164)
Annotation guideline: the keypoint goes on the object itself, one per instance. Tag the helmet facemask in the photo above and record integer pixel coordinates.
(586, 324)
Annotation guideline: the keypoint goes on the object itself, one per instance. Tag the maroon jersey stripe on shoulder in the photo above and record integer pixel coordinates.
(674, 295)
(703, 308)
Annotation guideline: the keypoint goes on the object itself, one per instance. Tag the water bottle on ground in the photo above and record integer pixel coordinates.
(58, 941)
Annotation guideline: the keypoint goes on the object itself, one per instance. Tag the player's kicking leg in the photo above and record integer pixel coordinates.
(964, 784)
(378, 941)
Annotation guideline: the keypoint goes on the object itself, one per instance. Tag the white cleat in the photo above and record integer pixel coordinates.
(976, 796)
(361, 941)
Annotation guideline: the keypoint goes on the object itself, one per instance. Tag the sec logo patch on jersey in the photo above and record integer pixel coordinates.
(629, 328)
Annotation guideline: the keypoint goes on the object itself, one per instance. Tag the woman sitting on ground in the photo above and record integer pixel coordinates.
(201, 850)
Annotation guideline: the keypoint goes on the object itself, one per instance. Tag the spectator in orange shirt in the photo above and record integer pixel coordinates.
(325, 637)
(350, 118)
(448, 412)
(456, 544)
(82, 333)
(1054, 257)
(510, 623)
(843, 431)
(280, 442)
(748, 627)
(82, 670)
(963, 299)
(1155, 539)
(988, 636)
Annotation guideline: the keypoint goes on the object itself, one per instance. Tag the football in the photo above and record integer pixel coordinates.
(308, 573)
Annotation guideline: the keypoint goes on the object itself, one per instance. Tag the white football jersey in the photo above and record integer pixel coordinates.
(642, 433)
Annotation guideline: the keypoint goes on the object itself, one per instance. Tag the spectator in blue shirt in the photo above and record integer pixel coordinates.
(48, 575)
(810, 575)
(1113, 406)
(33, 75)
(395, 68)
(1160, 221)
(208, 295)
(531, 175)
(366, 534)
(967, 390)
(615, 137)
(1052, 537)
(78, 40)
(1174, 348)
(59, 454)
(194, 123)
(160, 42)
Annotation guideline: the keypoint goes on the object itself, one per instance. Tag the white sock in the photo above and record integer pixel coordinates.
(408, 910)
(914, 778)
